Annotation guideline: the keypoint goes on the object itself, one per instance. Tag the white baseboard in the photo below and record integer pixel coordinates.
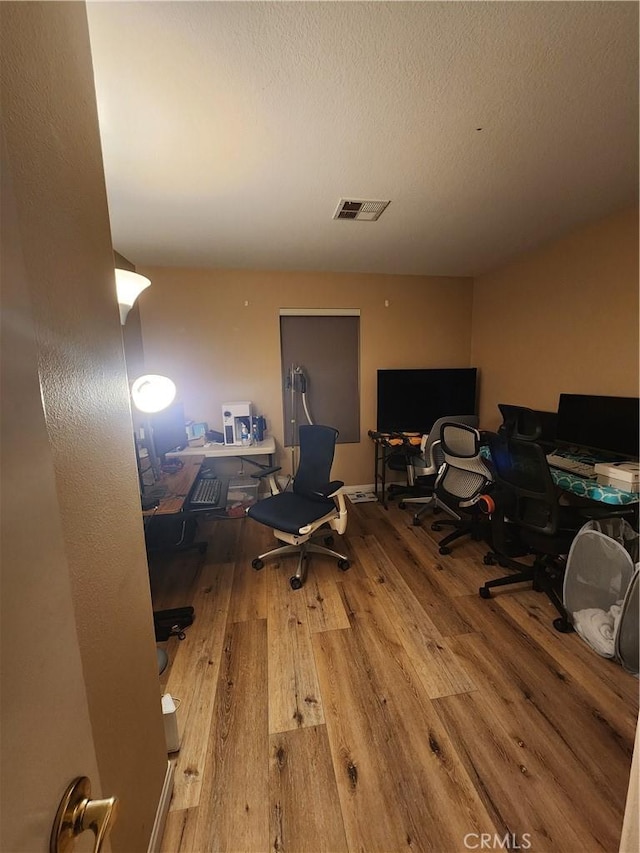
(161, 812)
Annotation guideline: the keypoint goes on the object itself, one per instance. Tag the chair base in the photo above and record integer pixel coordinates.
(541, 574)
(297, 581)
(473, 527)
(432, 503)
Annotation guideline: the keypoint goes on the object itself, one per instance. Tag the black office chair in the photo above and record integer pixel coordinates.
(314, 505)
(519, 422)
(401, 459)
(462, 484)
(426, 466)
(528, 424)
(529, 519)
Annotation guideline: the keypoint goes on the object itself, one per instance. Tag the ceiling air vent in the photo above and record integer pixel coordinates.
(368, 211)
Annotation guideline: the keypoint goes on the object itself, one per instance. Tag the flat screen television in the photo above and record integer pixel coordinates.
(411, 400)
(609, 424)
(169, 430)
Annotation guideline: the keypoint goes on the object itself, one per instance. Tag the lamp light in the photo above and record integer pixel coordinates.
(129, 285)
(153, 393)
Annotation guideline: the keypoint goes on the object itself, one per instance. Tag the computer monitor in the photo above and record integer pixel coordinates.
(608, 424)
(169, 430)
(412, 400)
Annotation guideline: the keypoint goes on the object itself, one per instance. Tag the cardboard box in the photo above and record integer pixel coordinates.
(621, 475)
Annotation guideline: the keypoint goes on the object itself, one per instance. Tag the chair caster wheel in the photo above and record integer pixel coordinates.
(328, 541)
(295, 582)
(416, 522)
(402, 504)
(343, 565)
(257, 564)
(444, 550)
(202, 548)
(436, 526)
(488, 560)
(562, 625)
(484, 592)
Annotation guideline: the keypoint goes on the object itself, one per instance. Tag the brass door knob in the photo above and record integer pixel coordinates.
(77, 813)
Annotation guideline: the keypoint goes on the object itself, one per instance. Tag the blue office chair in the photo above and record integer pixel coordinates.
(302, 515)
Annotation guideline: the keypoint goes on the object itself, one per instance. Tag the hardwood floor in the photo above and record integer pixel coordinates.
(386, 708)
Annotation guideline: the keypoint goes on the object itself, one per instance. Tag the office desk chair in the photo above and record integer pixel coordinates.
(401, 459)
(528, 425)
(304, 514)
(462, 484)
(519, 422)
(427, 464)
(530, 520)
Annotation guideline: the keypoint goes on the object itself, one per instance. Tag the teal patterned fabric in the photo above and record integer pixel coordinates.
(592, 489)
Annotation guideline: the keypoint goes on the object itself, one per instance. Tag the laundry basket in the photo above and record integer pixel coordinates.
(601, 589)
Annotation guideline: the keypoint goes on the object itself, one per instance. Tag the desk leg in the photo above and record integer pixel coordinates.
(380, 456)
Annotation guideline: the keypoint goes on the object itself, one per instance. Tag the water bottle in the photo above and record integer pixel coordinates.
(245, 438)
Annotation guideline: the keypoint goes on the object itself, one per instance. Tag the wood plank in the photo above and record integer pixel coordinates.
(440, 672)
(325, 610)
(249, 595)
(179, 832)
(305, 812)
(233, 814)
(526, 802)
(460, 573)
(194, 674)
(546, 708)
(419, 569)
(588, 801)
(400, 783)
(615, 690)
(294, 693)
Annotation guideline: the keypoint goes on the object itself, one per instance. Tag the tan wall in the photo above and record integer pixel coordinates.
(53, 148)
(560, 319)
(197, 330)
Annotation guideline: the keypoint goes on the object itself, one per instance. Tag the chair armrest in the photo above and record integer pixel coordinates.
(424, 466)
(265, 472)
(328, 490)
(269, 472)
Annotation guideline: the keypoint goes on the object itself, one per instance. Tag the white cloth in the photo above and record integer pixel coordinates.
(597, 628)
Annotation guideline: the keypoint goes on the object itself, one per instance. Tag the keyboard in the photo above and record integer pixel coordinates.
(571, 466)
(210, 491)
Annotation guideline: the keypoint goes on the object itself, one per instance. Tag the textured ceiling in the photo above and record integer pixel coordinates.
(231, 130)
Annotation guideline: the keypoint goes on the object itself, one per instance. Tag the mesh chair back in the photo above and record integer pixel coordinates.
(317, 447)
(519, 422)
(434, 457)
(522, 471)
(465, 475)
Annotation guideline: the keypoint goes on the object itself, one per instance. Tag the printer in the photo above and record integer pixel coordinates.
(621, 475)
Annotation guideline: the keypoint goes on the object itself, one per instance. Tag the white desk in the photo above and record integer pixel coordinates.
(267, 447)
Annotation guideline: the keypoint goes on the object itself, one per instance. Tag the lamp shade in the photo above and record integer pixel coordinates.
(152, 393)
(129, 285)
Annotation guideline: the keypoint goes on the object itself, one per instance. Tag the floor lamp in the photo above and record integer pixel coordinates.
(152, 393)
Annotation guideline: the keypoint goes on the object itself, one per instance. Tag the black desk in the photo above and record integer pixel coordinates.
(385, 444)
